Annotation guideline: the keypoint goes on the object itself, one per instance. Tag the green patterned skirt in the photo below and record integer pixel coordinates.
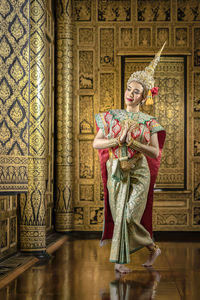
(128, 191)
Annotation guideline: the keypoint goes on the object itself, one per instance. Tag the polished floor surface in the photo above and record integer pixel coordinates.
(80, 270)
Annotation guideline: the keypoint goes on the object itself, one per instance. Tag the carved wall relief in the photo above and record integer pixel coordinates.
(107, 47)
(82, 10)
(86, 165)
(114, 10)
(197, 46)
(86, 114)
(126, 37)
(197, 92)
(196, 182)
(101, 190)
(144, 37)
(106, 91)
(170, 112)
(85, 36)
(96, 215)
(196, 216)
(181, 38)
(172, 218)
(162, 36)
(86, 192)
(153, 10)
(78, 216)
(197, 137)
(188, 11)
(86, 69)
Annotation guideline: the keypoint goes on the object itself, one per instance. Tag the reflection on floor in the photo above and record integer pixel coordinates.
(80, 270)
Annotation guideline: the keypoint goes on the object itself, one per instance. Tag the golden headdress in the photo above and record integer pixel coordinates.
(146, 77)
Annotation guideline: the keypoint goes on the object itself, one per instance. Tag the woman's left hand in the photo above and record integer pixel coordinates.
(128, 137)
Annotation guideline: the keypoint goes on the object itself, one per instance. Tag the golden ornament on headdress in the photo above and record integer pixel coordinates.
(146, 77)
(149, 100)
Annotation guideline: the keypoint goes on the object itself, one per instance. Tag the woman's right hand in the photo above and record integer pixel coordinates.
(124, 133)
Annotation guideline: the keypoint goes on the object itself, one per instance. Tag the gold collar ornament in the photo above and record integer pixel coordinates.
(146, 77)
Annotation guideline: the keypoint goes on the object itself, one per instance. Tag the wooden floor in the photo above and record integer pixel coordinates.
(80, 270)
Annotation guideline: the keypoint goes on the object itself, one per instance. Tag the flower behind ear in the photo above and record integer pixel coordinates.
(154, 91)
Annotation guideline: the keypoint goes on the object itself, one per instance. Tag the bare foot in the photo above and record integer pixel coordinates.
(122, 269)
(153, 255)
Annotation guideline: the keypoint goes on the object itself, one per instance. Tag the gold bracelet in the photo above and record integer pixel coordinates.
(135, 144)
(119, 142)
(130, 143)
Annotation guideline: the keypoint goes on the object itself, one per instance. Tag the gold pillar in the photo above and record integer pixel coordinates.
(64, 131)
(32, 205)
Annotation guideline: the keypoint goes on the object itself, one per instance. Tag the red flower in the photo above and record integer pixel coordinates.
(154, 91)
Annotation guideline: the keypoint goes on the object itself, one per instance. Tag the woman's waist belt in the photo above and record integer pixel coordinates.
(127, 163)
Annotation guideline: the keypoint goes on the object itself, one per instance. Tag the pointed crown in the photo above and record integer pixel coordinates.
(146, 77)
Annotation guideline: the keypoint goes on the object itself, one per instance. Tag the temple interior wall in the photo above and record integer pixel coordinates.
(110, 39)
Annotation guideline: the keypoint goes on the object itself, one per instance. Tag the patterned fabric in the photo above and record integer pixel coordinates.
(127, 199)
(128, 195)
(111, 123)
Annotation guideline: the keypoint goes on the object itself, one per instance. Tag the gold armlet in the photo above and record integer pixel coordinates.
(134, 144)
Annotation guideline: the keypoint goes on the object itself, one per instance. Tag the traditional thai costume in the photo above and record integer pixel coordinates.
(129, 176)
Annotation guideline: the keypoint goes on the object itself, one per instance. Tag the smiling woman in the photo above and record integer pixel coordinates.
(130, 144)
(133, 94)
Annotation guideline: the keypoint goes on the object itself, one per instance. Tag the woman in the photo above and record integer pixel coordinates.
(130, 144)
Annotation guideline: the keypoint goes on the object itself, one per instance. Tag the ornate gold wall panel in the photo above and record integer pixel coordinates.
(49, 199)
(197, 137)
(86, 166)
(82, 9)
(106, 47)
(86, 70)
(169, 109)
(107, 91)
(32, 205)
(64, 115)
(188, 11)
(86, 36)
(23, 124)
(114, 10)
(145, 37)
(14, 76)
(112, 29)
(126, 37)
(196, 92)
(196, 182)
(86, 114)
(181, 37)
(197, 47)
(153, 11)
(8, 225)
